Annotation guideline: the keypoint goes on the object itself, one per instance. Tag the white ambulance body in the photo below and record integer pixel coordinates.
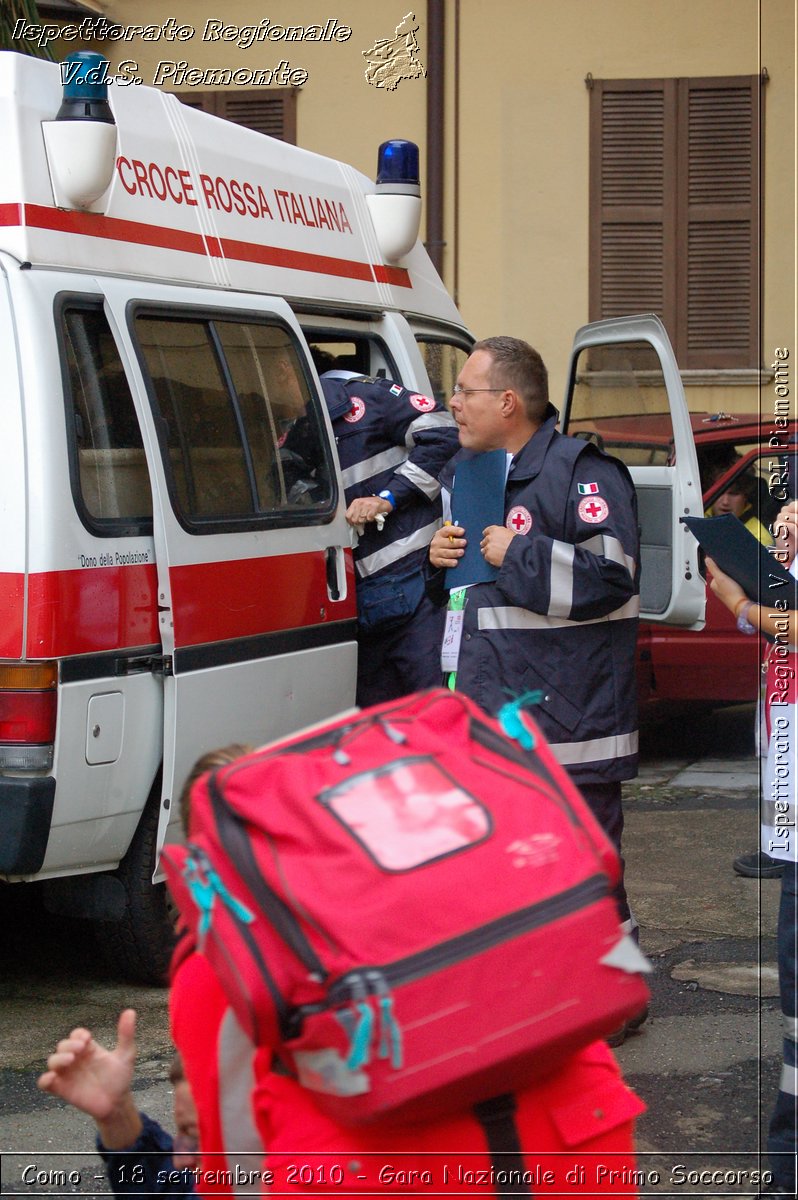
(175, 567)
(176, 575)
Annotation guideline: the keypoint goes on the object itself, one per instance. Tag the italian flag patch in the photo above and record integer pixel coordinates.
(588, 489)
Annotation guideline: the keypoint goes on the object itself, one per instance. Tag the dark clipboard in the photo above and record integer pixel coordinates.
(744, 559)
(477, 501)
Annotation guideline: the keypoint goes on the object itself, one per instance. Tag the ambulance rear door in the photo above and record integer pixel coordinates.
(625, 394)
(255, 596)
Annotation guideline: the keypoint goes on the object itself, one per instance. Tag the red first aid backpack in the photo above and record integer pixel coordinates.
(411, 909)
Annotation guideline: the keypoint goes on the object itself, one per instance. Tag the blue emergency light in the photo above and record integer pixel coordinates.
(397, 168)
(84, 75)
(395, 203)
(81, 141)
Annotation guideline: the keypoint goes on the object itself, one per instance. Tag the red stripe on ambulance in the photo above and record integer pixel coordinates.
(220, 600)
(12, 596)
(113, 228)
(97, 225)
(107, 608)
(92, 609)
(11, 214)
(296, 260)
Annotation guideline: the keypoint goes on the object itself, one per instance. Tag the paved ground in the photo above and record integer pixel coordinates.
(706, 1063)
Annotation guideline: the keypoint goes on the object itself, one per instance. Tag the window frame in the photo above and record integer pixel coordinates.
(103, 527)
(440, 338)
(243, 523)
(314, 334)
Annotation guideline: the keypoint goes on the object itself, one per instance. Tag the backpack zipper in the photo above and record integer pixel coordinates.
(364, 984)
(238, 847)
(475, 941)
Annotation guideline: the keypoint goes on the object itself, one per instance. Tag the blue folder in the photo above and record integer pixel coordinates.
(477, 501)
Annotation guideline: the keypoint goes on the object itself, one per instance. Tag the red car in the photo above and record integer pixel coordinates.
(717, 664)
(625, 393)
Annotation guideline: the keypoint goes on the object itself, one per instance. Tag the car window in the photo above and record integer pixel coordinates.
(736, 478)
(620, 403)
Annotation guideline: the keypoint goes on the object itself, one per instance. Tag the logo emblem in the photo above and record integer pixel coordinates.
(422, 403)
(356, 411)
(535, 851)
(594, 511)
(519, 519)
(392, 59)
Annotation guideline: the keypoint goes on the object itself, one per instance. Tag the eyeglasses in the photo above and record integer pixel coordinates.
(459, 390)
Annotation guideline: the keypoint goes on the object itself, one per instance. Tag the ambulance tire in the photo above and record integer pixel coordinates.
(138, 947)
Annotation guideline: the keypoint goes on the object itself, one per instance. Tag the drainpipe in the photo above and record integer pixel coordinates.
(435, 99)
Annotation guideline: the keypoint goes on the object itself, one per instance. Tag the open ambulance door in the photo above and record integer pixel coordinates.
(256, 602)
(624, 393)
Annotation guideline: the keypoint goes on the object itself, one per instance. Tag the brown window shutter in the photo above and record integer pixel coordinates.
(718, 210)
(267, 110)
(674, 211)
(631, 176)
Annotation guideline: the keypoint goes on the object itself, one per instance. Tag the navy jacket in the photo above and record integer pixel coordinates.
(390, 438)
(562, 615)
(146, 1168)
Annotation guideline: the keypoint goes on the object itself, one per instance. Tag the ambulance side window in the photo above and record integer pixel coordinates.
(365, 355)
(110, 480)
(443, 360)
(240, 434)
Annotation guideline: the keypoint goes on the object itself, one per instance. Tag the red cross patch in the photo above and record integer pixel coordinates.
(422, 403)
(356, 411)
(593, 509)
(519, 519)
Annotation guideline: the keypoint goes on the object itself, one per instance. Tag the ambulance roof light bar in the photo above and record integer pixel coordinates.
(397, 167)
(395, 205)
(81, 141)
(83, 74)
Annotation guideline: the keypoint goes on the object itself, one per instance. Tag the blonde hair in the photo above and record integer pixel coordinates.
(203, 766)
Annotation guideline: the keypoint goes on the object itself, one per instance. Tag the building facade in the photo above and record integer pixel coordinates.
(578, 160)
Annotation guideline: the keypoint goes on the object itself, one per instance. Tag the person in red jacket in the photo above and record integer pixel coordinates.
(572, 1132)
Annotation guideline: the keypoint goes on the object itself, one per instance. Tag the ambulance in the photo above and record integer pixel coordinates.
(174, 577)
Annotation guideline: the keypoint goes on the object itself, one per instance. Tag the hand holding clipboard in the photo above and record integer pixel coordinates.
(744, 559)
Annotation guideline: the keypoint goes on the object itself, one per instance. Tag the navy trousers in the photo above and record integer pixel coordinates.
(604, 801)
(404, 659)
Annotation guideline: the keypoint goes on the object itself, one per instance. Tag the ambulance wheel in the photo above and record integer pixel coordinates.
(138, 947)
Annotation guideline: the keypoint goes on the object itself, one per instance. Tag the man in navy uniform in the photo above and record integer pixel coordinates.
(561, 616)
(392, 445)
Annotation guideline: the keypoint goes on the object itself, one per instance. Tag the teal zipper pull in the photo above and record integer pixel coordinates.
(511, 719)
(361, 1039)
(390, 1033)
(205, 885)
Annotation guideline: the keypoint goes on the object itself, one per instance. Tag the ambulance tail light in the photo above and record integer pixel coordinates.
(395, 205)
(28, 708)
(81, 141)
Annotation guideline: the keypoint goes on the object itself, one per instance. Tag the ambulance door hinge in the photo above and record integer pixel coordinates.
(153, 664)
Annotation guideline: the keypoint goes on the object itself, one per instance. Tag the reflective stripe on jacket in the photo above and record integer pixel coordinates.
(562, 615)
(390, 438)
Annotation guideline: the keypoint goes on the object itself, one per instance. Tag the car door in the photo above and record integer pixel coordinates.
(624, 392)
(255, 598)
